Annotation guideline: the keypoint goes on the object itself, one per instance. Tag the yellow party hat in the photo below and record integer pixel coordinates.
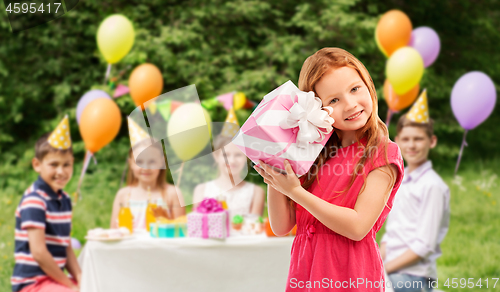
(60, 138)
(231, 125)
(419, 112)
(135, 132)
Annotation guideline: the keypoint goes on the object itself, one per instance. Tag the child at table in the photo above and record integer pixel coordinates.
(146, 184)
(243, 199)
(420, 218)
(344, 199)
(43, 221)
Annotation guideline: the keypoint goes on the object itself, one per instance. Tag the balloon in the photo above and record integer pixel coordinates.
(186, 130)
(473, 99)
(145, 83)
(380, 46)
(239, 100)
(115, 37)
(404, 69)
(100, 123)
(86, 99)
(75, 244)
(393, 31)
(426, 41)
(398, 102)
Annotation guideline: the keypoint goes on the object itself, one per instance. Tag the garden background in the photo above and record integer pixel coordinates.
(253, 47)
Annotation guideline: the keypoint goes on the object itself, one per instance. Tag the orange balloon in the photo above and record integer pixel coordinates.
(269, 231)
(398, 102)
(145, 83)
(393, 31)
(99, 124)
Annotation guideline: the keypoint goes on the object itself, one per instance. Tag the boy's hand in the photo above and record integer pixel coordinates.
(284, 183)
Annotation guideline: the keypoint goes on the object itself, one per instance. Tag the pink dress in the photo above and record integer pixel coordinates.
(322, 260)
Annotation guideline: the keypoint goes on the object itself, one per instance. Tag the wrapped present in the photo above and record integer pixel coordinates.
(209, 220)
(287, 124)
(167, 230)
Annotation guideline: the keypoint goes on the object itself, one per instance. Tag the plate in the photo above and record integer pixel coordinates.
(109, 238)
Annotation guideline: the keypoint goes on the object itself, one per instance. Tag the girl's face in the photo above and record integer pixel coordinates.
(147, 167)
(345, 92)
(235, 158)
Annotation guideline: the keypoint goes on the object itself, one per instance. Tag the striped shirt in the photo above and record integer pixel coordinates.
(40, 207)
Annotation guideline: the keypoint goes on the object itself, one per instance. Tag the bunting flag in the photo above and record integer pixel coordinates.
(152, 107)
(164, 107)
(419, 112)
(226, 100)
(60, 137)
(120, 90)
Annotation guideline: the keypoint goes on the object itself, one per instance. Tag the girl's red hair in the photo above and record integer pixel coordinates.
(375, 130)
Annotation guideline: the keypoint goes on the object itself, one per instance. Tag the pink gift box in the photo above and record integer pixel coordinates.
(208, 225)
(263, 138)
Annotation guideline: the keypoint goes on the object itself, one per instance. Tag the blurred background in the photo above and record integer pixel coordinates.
(252, 47)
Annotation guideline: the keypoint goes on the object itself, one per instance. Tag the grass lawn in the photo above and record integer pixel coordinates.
(470, 250)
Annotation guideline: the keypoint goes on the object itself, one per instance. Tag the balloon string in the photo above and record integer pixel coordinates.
(86, 162)
(228, 168)
(389, 116)
(108, 71)
(179, 177)
(123, 173)
(464, 143)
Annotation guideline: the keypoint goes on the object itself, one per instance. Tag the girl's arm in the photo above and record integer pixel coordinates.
(258, 201)
(351, 223)
(116, 208)
(176, 204)
(281, 214)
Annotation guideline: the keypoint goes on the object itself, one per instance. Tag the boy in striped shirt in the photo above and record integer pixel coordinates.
(43, 220)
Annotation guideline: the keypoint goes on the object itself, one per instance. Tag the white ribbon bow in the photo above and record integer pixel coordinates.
(307, 114)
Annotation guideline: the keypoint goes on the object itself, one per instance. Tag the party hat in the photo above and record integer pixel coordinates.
(231, 125)
(60, 138)
(135, 132)
(419, 112)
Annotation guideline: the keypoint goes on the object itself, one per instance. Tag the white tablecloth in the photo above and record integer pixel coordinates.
(144, 264)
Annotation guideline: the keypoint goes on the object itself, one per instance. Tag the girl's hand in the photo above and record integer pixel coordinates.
(162, 212)
(284, 183)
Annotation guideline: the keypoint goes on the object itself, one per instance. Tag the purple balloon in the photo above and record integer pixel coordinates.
(86, 99)
(75, 243)
(473, 99)
(426, 41)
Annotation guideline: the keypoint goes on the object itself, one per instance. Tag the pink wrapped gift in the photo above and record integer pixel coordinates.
(287, 124)
(208, 221)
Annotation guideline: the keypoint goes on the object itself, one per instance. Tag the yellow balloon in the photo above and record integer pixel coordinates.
(404, 69)
(187, 130)
(115, 37)
(239, 100)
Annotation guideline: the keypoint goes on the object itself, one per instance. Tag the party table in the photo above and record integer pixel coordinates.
(142, 263)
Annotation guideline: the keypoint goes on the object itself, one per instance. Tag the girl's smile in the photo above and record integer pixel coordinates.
(343, 90)
(354, 116)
